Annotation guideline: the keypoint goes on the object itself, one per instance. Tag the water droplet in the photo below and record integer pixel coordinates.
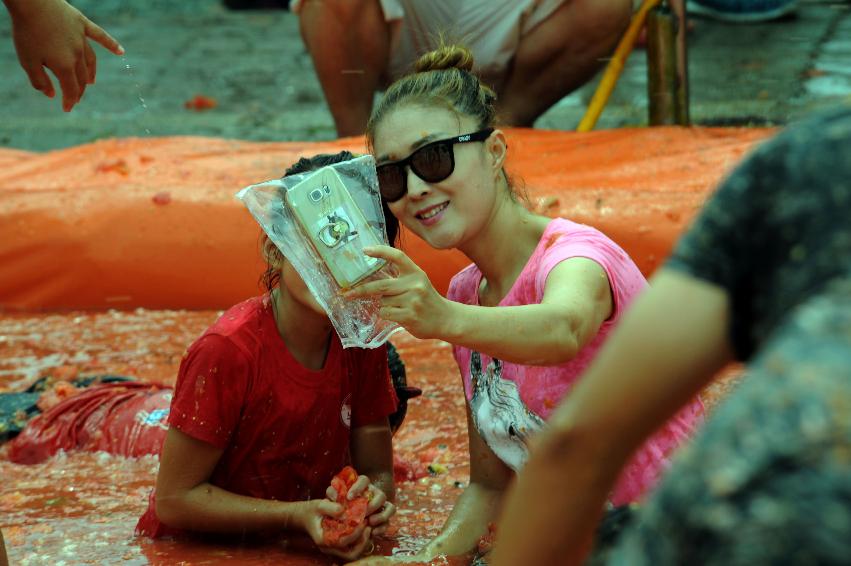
(142, 103)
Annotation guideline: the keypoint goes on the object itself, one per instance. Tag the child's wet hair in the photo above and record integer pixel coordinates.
(272, 254)
(318, 161)
(444, 78)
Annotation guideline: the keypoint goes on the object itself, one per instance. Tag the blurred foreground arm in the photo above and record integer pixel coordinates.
(54, 34)
(668, 346)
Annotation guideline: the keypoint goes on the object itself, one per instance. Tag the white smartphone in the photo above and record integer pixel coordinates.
(335, 225)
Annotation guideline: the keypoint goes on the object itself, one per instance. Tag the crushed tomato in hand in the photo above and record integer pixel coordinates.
(354, 510)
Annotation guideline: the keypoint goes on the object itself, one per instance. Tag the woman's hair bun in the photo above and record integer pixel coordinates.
(445, 57)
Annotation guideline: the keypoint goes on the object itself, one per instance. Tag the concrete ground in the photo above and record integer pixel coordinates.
(254, 64)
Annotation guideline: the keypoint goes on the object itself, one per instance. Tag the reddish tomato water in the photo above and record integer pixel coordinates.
(81, 508)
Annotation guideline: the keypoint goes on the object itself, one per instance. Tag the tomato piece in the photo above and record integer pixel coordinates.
(354, 510)
(486, 540)
(348, 475)
(199, 102)
(341, 488)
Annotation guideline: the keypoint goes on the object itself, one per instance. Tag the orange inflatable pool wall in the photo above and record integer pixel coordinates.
(153, 223)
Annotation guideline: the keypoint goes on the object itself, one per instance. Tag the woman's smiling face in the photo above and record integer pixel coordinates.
(447, 213)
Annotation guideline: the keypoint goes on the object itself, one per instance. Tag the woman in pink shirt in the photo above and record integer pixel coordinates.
(531, 311)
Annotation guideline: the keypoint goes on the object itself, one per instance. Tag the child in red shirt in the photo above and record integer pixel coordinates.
(267, 407)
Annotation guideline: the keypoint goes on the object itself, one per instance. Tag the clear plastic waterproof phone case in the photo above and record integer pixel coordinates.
(338, 230)
(321, 221)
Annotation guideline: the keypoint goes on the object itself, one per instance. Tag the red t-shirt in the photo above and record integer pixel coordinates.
(285, 429)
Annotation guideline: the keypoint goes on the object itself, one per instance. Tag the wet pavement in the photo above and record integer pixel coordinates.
(254, 65)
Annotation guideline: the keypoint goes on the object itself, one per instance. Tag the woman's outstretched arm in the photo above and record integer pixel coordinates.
(577, 300)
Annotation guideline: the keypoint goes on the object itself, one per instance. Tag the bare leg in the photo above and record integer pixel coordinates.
(560, 55)
(349, 41)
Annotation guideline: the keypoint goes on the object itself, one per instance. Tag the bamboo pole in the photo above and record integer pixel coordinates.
(683, 102)
(615, 67)
(662, 100)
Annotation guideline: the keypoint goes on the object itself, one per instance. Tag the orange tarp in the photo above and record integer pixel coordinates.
(153, 223)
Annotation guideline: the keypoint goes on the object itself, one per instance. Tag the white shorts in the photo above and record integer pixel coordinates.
(491, 29)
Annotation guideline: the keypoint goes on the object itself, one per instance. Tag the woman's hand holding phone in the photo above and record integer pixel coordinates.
(409, 298)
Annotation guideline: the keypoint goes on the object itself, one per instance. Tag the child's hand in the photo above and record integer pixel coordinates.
(378, 511)
(347, 547)
(311, 515)
(361, 544)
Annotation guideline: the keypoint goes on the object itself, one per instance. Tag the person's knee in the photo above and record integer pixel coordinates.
(343, 11)
(608, 10)
(325, 23)
(583, 28)
(607, 16)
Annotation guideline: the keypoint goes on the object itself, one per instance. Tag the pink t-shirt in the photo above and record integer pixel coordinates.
(511, 401)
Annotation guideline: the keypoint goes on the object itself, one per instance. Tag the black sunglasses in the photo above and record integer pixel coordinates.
(432, 163)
